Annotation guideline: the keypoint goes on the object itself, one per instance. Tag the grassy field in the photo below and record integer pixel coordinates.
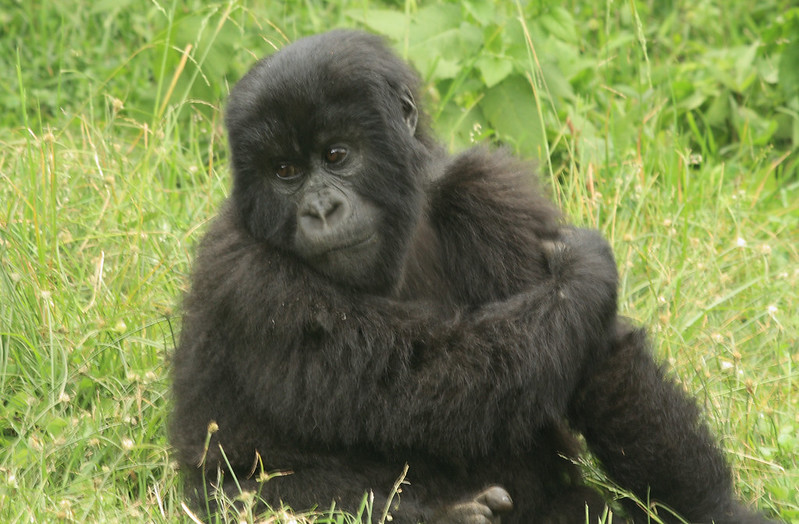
(673, 127)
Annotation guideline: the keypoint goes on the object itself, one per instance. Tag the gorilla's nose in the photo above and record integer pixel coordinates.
(323, 213)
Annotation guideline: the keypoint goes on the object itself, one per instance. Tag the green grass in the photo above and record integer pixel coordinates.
(671, 126)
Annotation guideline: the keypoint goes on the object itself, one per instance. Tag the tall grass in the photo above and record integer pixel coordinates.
(665, 126)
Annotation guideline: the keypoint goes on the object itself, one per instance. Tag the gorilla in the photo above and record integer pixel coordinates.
(364, 301)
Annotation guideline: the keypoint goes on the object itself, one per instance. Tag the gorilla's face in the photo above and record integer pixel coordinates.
(325, 163)
(335, 229)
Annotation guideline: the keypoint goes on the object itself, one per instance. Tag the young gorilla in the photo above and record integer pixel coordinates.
(365, 301)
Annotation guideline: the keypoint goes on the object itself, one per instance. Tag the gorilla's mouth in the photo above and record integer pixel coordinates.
(351, 245)
(347, 243)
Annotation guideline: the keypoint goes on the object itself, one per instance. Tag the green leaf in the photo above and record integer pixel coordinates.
(789, 69)
(557, 84)
(559, 23)
(104, 6)
(460, 127)
(745, 71)
(510, 109)
(435, 19)
(759, 128)
(483, 12)
(494, 69)
(444, 54)
(719, 111)
(55, 426)
(391, 23)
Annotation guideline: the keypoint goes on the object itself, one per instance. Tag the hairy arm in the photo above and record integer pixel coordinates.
(512, 365)
(349, 368)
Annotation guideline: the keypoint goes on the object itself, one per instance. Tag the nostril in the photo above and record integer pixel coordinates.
(323, 213)
(335, 212)
(332, 208)
(315, 210)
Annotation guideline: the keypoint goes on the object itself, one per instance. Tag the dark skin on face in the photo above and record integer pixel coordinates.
(336, 229)
(365, 301)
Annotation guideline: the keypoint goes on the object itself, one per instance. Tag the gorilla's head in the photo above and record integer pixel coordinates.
(329, 156)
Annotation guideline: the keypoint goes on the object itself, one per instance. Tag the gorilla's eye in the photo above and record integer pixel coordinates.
(286, 171)
(335, 154)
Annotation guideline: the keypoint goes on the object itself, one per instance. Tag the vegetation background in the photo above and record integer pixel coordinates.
(672, 126)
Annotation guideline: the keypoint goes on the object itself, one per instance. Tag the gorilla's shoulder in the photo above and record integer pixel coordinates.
(225, 231)
(489, 164)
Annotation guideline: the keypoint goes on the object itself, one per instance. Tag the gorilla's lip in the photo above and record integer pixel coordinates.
(344, 246)
(361, 242)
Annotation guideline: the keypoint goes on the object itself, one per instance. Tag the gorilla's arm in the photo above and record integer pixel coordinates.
(630, 414)
(342, 368)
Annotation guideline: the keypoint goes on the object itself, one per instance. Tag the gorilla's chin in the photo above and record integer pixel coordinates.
(351, 265)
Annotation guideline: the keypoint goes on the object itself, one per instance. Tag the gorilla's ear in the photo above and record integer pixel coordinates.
(409, 112)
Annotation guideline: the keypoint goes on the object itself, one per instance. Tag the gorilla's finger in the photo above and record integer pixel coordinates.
(496, 498)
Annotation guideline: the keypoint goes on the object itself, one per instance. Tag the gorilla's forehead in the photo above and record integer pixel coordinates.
(274, 87)
(300, 100)
(301, 119)
(317, 82)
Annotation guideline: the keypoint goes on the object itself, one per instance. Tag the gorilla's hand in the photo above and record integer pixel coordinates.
(583, 281)
(485, 508)
(582, 251)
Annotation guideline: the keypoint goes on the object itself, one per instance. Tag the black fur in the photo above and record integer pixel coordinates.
(463, 337)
